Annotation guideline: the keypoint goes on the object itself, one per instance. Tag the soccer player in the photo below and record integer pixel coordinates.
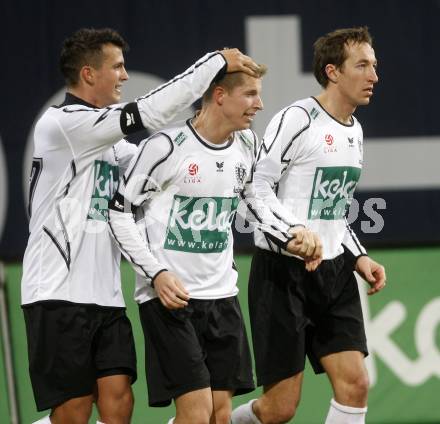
(310, 164)
(184, 185)
(80, 341)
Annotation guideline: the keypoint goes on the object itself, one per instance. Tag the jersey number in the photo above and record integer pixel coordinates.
(37, 167)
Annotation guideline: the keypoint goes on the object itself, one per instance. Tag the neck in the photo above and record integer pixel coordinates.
(84, 95)
(212, 127)
(336, 105)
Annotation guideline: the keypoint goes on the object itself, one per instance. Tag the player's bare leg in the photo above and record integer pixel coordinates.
(194, 407)
(279, 401)
(222, 405)
(115, 399)
(74, 411)
(349, 378)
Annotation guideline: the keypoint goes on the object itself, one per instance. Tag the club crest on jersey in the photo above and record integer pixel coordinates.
(219, 166)
(192, 176)
(240, 176)
(350, 141)
(329, 140)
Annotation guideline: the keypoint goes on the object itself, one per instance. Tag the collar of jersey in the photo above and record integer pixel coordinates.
(331, 116)
(70, 99)
(204, 142)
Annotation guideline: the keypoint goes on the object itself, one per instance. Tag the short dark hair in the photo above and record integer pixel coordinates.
(230, 81)
(330, 49)
(84, 47)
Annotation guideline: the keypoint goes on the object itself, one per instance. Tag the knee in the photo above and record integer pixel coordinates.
(125, 402)
(72, 412)
(354, 391)
(360, 387)
(117, 405)
(200, 414)
(274, 412)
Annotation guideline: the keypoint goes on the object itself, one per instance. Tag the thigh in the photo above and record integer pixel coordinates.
(339, 324)
(278, 316)
(60, 338)
(225, 343)
(175, 362)
(114, 349)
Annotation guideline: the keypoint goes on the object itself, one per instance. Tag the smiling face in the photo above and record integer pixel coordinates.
(356, 77)
(107, 78)
(240, 104)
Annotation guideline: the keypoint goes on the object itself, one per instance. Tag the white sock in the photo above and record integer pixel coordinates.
(99, 422)
(44, 420)
(244, 414)
(171, 421)
(341, 414)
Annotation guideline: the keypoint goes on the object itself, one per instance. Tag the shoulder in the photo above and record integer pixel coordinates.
(248, 138)
(297, 115)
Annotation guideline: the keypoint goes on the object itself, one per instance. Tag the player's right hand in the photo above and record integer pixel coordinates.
(239, 62)
(171, 291)
(307, 245)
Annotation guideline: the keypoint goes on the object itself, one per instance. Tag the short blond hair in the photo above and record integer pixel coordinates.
(230, 81)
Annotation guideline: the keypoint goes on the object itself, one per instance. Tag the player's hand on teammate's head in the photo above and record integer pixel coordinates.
(239, 62)
(372, 272)
(307, 245)
(171, 291)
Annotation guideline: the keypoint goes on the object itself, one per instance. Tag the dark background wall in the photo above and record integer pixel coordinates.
(167, 36)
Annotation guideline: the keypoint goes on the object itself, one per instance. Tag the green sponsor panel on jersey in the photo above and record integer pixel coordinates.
(200, 224)
(332, 192)
(105, 184)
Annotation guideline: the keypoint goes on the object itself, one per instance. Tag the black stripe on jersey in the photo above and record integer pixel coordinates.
(269, 243)
(280, 218)
(152, 169)
(196, 135)
(255, 145)
(354, 238)
(37, 167)
(125, 252)
(334, 119)
(58, 246)
(259, 219)
(104, 115)
(64, 231)
(73, 168)
(223, 70)
(281, 124)
(285, 161)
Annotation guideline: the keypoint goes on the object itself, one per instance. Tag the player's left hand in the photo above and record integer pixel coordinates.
(239, 62)
(372, 272)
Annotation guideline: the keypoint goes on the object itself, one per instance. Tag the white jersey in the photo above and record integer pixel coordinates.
(189, 190)
(308, 169)
(70, 255)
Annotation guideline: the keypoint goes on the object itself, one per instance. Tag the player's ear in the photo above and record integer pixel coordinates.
(218, 95)
(332, 73)
(87, 74)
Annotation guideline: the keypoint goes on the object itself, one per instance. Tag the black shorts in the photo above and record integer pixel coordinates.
(203, 345)
(295, 313)
(71, 345)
